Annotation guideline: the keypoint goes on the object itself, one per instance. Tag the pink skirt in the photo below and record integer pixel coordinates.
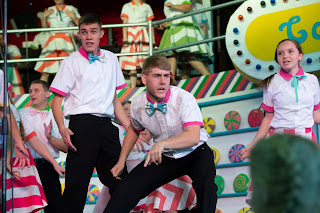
(26, 194)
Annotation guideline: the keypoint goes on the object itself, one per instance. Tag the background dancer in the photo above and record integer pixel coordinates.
(183, 31)
(135, 39)
(44, 142)
(59, 43)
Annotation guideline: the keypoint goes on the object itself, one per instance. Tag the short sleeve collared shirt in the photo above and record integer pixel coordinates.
(137, 13)
(280, 98)
(33, 126)
(88, 88)
(59, 18)
(182, 111)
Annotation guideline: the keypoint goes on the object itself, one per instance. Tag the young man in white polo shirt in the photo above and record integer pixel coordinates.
(174, 120)
(44, 142)
(87, 81)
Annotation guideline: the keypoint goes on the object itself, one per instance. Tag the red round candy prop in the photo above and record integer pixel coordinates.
(255, 118)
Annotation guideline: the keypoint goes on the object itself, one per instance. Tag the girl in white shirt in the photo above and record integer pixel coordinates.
(291, 98)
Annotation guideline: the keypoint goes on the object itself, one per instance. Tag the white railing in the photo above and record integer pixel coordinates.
(148, 24)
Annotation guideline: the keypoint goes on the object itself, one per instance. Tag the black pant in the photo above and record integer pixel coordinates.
(97, 143)
(51, 185)
(141, 181)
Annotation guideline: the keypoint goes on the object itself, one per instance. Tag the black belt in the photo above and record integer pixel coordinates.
(91, 117)
(39, 160)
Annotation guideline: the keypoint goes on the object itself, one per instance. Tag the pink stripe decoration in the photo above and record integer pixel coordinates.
(193, 123)
(308, 130)
(190, 199)
(9, 87)
(316, 107)
(122, 86)
(162, 199)
(178, 192)
(52, 89)
(314, 138)
(267, 108)
(24, 181)
(24, 202)
(185, 178)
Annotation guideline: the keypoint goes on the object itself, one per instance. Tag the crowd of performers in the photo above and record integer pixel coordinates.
(160, 144)
(135, 39)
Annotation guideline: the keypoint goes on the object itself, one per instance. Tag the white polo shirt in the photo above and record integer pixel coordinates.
(182, 111)
(137, 13)
(88, 88)
(60, 19)
(170, 12)
(33, 126)
(280, 98)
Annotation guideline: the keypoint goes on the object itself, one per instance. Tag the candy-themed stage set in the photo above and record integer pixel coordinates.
(230, 100)
(227, 119)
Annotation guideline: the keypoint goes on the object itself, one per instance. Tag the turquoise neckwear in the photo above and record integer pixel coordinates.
(295, 83)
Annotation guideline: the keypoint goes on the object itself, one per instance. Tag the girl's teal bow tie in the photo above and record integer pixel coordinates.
(295, 83)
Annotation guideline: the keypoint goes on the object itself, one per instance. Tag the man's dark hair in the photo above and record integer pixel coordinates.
(43, 83)
(90, 18)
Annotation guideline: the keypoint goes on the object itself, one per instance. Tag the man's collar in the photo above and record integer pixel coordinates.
(85, 54)
(164, 100)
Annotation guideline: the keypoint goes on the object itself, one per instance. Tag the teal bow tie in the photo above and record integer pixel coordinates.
(60, 12)
(295, 83)
(152, 107)
(92, 58)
